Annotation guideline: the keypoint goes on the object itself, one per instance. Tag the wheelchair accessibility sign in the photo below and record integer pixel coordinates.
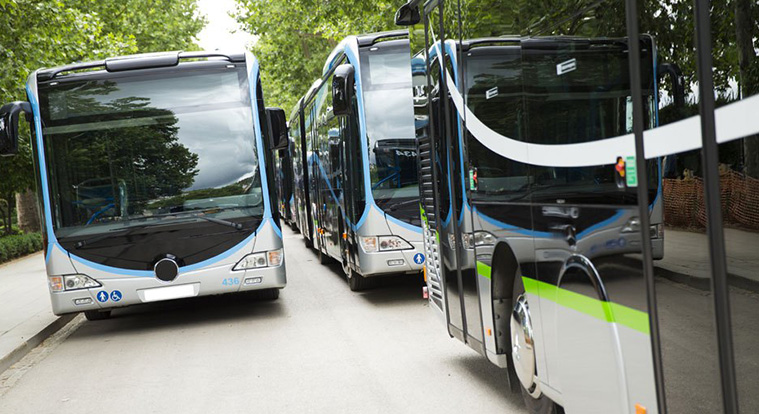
(418, 258)
(103, 296)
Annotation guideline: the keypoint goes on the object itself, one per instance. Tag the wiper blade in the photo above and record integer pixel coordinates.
(236, 226)
(396, 206)
(108, 234)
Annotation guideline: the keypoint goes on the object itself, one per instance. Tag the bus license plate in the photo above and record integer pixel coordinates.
(169, 292)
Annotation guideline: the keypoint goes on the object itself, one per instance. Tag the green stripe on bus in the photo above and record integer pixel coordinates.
(483, 269)
(605, 311)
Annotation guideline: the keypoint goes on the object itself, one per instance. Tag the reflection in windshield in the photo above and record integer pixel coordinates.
(590, 101)
(129, 149)
(389, 110)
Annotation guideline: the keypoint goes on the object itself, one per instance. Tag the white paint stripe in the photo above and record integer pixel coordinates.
(734, 121)
(601, 152)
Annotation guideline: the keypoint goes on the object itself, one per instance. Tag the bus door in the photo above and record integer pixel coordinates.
(317, 204)
(443, 132)
(353, 182)
(590, 293)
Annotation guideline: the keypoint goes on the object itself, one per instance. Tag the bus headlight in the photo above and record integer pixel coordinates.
(470, 240)
(373, 244)
(484, 238)
(632, 226)
(72, 282)
(272, 258)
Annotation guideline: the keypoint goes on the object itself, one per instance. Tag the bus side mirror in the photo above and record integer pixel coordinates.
(678, 83)
(342, 90)
(9, 126)
(408, 15)
(277, 138)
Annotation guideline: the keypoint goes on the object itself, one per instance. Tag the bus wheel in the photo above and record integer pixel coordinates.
(523, 354)
(323, 258)
(96, 315)
(266, 294)
(357, 282)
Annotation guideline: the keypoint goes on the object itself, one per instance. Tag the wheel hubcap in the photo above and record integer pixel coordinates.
(522, 351)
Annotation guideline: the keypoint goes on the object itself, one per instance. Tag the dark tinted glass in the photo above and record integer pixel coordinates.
(126, 148)
(388, 106)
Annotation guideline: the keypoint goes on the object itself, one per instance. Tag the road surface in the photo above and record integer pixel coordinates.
(319, 348)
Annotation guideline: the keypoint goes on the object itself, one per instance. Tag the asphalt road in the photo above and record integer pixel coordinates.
(319, 348)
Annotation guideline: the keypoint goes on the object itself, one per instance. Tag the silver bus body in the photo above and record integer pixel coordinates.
(120, 286)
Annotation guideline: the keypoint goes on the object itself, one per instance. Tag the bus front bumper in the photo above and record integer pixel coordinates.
(393, 262)
(134, 290)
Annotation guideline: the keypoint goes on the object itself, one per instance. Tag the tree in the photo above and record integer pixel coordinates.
(296, 36)
(45, 33)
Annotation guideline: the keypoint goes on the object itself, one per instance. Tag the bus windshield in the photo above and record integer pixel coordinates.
(143, 150)
(388, 103)
(585, 90)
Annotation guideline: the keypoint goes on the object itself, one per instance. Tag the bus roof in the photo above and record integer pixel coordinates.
(138, 61)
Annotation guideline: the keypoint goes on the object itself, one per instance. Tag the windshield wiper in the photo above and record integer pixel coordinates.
(236, 226)
(108, 234)
(396, 206)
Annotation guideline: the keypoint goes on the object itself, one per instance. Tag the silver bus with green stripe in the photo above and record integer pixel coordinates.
(529, 198)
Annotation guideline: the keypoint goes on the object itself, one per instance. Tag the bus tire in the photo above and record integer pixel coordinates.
(357, 282)
(535, 401)
(97, 315)
(266, 294)
(323, 258)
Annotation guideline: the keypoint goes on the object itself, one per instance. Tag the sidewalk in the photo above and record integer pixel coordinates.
(686, 258)
(26, 318)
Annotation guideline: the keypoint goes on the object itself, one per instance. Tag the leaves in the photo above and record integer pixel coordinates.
(296, 36)
(45, 33)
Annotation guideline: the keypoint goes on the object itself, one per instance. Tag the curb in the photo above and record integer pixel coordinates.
(704, 284)
(6, 361)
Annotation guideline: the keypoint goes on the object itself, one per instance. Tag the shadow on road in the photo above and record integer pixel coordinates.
(194, 312)
(490, 376)
(394, 290)
(383, 290)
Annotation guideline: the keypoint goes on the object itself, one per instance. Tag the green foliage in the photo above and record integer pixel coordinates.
(45, 33)
(14, 246)
(296, 36)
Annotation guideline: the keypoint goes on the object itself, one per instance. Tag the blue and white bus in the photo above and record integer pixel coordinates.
(155, 176)
(358, 148)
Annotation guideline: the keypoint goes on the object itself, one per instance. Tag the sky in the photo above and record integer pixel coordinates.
(217, 33)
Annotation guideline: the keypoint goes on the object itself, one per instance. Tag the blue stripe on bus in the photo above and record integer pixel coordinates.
(42, 166)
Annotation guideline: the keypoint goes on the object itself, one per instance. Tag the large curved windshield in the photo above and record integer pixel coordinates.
(125, 150)
(389, 110)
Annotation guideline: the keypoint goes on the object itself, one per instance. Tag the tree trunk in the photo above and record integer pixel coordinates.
(749, 75)
(9, 214)
(27, 212)
(3, 223)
